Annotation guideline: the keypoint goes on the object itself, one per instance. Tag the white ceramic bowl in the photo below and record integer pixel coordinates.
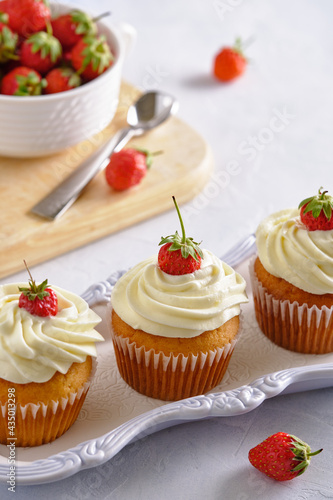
(41, 125)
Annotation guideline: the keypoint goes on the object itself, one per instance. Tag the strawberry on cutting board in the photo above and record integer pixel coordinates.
(41, 51)
(39, 300)
(316, 212)
(230, 62)
(128, 167)
(179, 254)
(22, 81)
(281, 456)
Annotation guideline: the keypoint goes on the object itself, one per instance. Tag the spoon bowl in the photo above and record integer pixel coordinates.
(149, 111)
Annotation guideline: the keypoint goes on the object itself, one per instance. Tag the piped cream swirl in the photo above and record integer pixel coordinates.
(184, 306)
(288, 250)
(33, 348)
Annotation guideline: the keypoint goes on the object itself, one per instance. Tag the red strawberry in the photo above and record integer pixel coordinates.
(8, 43)
(316, 212)
(230, 62)
(27, 16)
(72, 27)
(91, 56)
(41, 51)
(281, 456)
(61, 79)
(22, 81)
(128, 167)
(38, 299)
(179, 255)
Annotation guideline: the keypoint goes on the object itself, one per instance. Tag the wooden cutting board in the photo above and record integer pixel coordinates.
(182, 170)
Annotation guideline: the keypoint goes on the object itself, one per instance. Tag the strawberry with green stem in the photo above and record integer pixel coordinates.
(61, 79)
(27, 16)
(128, 167)
(22, 81)
(70, 28)
(230, 62)
(282, 456)
(41, 51)
(179, 254)
(91, 56)
(39, 300)
(316, 212)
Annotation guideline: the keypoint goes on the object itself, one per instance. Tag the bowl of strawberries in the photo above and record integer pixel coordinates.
(60, 75)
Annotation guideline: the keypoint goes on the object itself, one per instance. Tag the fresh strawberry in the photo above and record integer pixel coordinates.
(230, 62)
(61, 79)
(38, 299)
(128, 167)
(8, 43)
(179, 255)
(281, 456)
(72, 27)
(316, 212)
(27, 16)
(91, 56)
(22, 81)
(41, 51)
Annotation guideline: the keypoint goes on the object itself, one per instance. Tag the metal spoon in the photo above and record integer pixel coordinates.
(150, 110)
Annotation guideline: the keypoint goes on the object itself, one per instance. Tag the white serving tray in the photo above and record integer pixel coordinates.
(114, 415)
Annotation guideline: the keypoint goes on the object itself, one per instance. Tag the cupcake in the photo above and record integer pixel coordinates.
(175, 320)
(46, 361)
(292, 276)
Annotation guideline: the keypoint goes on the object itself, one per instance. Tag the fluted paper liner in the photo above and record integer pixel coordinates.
(170, 377)
(37, 424)
(295, 327)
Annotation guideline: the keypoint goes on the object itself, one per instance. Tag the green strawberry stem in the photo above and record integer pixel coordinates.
(315, 204)
(303, 454)
(186, 245)
(101, 16)
(183, 241)
(34, 290)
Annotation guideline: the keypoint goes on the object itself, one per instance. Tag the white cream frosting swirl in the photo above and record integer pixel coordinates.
(183, 306)
(288, 250)
(33, 348)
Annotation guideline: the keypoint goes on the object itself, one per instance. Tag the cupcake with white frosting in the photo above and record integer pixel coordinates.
(47, 346)
(292, 276)
(175, 320)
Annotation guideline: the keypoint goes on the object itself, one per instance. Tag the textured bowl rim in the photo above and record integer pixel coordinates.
(112, 30)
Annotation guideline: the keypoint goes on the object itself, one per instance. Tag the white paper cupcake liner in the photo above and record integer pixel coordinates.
(40, 423)
(290, 325)
(170, 377)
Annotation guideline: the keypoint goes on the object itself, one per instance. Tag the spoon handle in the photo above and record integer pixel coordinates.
(63, 196)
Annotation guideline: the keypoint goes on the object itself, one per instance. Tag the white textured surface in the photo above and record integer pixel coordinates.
(291, 73)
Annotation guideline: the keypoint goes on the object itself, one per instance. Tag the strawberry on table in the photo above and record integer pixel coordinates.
(230, 62)
(91, 56)
(39, 300)
(70, 28)
(22, 81)
(41, 51)
(8, 43)
(316, 212)
(61, 79)
(281, 456)
(26, 16)
(128, 167)
(179, 254)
